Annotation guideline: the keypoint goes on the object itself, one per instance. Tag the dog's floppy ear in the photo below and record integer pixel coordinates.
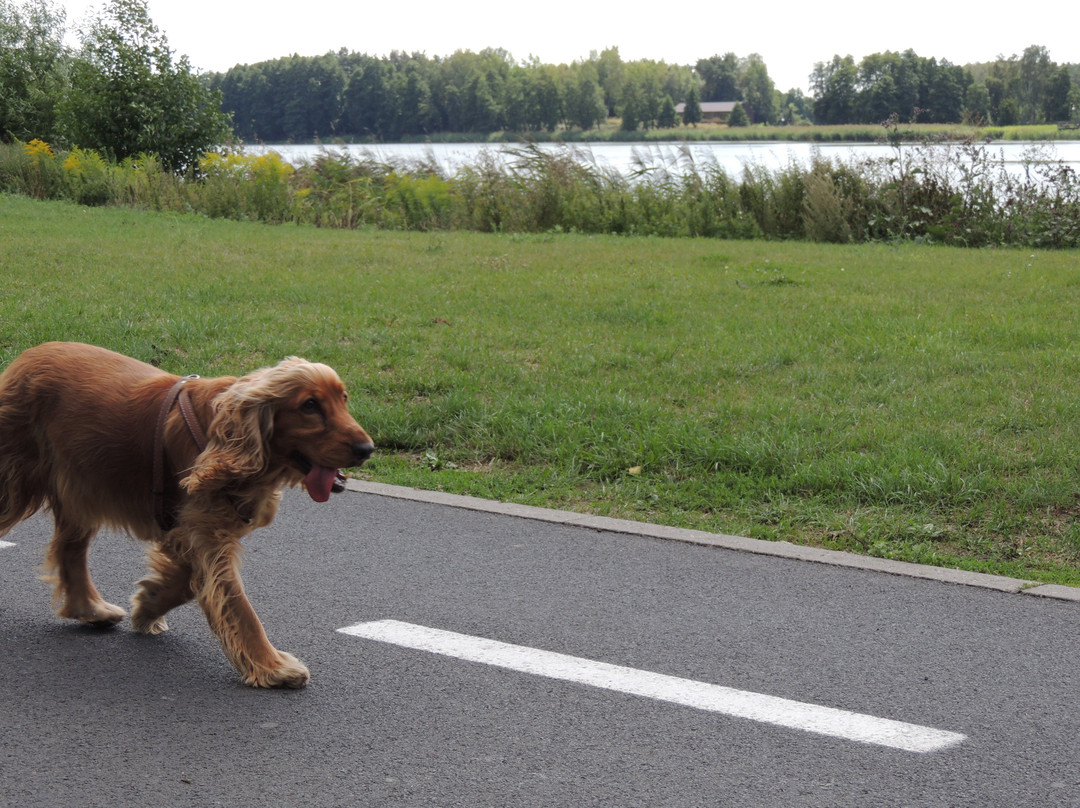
(239, 432)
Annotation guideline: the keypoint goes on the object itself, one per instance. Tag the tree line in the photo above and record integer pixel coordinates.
(409, 95)
(348, 94)
(1026, 89)
(353, 95)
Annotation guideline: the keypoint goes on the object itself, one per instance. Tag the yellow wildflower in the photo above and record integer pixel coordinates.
(38, 148)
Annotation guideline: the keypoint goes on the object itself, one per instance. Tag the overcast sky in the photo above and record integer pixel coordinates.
(790, 36)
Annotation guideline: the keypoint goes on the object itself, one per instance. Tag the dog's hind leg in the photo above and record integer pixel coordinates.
(167, 586)
(66, 566)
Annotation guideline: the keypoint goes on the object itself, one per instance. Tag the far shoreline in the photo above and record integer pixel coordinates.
(849, 133)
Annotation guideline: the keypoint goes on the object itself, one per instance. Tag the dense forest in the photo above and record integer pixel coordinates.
(352, 95)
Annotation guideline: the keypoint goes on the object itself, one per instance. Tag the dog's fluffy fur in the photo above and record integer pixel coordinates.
(77, 427)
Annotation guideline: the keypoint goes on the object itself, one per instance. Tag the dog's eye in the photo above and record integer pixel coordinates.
(310, 407)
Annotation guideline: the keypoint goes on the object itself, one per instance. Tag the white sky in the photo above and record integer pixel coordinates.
(790, 36)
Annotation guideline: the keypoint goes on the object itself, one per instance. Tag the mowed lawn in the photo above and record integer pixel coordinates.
(906, 401)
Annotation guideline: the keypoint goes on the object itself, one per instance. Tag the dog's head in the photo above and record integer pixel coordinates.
(291, 417)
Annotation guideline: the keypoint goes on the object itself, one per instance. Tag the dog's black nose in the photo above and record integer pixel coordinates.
(362, 451)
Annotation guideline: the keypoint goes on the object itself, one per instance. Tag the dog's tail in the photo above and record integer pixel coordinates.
(21, 491)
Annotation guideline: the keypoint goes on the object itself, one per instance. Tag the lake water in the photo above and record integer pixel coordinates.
(625, 158)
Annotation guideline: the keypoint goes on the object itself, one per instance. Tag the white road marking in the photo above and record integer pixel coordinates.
(700, 695)
(6, 544)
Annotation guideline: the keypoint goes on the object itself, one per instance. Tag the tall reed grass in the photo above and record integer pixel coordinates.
(957, 194)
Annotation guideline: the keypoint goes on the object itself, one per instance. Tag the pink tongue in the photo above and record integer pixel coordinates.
(319, 481)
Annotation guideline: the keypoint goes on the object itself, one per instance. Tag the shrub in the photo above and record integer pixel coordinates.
(825, 211)
(143, 181)
(245, 186)
(86, 177)
(31, 169)
(340, 191)
(738, 117)
(422, 202)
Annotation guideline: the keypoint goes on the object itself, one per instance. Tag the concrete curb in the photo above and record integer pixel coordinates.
(779, 549)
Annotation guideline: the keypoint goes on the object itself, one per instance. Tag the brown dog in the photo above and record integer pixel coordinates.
(97, 438)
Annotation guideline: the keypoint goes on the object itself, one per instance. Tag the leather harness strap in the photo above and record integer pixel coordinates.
(192, 420)
(177, 391)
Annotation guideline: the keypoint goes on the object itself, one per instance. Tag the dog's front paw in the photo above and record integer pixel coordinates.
(289, 672)
(147, 624)
(146, 616)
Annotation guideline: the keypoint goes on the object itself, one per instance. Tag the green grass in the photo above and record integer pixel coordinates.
(841, 133)
(904, 401)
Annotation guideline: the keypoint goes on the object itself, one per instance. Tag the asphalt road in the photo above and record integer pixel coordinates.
(112, 718)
